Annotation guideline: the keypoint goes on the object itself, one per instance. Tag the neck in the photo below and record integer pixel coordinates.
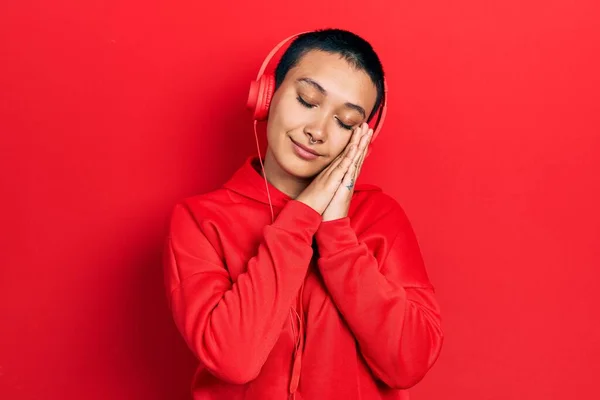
(282, 180)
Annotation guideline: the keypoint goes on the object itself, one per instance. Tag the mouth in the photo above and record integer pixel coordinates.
(304, 152)
(307, 149)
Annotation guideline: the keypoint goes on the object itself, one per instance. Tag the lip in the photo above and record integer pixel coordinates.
(304, 152)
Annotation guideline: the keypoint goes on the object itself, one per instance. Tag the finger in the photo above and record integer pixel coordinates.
(349, 151)
(354, 141)
(362, 153)
(357, 134)
(337, 162)
(364, 141)
(350, 178)
(324, 174)
(337, 173)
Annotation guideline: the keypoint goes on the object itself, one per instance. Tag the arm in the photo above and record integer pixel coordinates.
(388, 301)
(232, 327)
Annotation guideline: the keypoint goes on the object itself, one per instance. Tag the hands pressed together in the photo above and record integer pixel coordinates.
(330, 192)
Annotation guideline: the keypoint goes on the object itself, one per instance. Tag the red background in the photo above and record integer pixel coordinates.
(110, 111)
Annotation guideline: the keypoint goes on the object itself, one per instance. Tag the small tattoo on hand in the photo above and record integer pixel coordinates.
(351, 184)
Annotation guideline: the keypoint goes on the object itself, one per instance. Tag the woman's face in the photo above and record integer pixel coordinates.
(323, 98)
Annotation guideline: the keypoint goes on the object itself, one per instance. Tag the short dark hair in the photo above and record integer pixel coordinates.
(354, 49)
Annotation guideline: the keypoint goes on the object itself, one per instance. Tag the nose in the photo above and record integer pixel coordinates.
(317, 129)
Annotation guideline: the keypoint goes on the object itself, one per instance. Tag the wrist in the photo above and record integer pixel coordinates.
(335, 236)
(308, 203)
(329, 216)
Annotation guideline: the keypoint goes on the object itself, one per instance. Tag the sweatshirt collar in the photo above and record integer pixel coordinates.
(248, 182)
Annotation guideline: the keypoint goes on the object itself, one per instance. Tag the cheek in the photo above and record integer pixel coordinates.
(338, 144)
(289, 114)
(274, 120)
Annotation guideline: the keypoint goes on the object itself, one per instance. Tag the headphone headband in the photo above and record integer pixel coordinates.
(272, 53)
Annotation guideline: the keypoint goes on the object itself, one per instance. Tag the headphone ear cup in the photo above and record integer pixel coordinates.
(260, 95)
(375, 134)
(381, 114)
(253, 97)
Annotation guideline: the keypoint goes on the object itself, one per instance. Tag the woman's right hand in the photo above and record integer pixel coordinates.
(319, 193)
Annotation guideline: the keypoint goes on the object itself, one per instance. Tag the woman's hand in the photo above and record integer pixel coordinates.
(321, 190)
(340, 203)
(319, 194)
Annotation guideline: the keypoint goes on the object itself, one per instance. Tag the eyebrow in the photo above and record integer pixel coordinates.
(323, 91)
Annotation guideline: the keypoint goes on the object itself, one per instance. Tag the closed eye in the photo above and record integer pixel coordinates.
(304, 103)
(340, 123)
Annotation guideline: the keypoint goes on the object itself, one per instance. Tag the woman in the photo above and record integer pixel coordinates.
(330, 300)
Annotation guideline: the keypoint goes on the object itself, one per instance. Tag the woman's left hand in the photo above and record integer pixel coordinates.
(340, 203)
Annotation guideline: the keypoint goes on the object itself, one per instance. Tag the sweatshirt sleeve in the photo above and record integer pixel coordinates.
(387, 301)
(232, 326)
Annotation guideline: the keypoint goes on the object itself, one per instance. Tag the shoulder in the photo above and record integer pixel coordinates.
(372, 201)
(200, 207)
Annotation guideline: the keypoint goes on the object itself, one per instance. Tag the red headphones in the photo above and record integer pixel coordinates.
(262, 89)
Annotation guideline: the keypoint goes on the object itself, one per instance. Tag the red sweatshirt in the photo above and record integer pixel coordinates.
(300, 308)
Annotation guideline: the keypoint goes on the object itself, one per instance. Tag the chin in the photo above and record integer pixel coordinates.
(295, 166)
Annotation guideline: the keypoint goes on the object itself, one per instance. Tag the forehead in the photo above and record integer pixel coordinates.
(339, 78)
